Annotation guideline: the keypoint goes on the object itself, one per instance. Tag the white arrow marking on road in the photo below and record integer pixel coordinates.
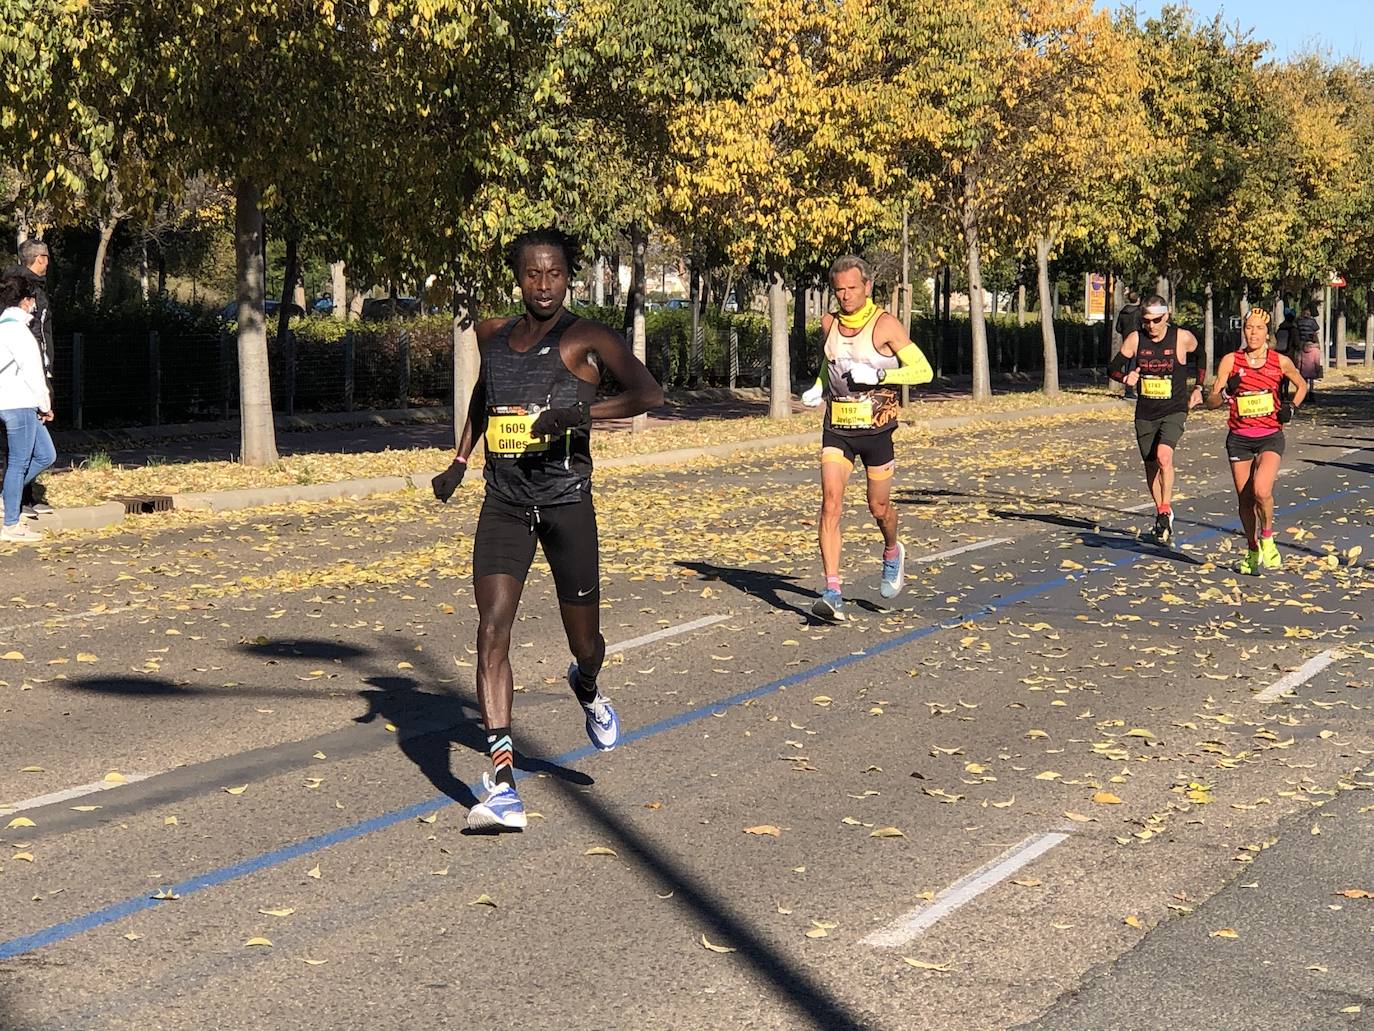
(1309, 669)
(942, 555)
(963, 891)
(668, 631)
(52, 798)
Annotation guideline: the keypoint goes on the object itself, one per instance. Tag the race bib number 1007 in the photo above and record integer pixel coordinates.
(1250, 406)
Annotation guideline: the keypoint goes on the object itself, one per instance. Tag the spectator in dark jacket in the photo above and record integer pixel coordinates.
(33, 268)
(1128, 322)
(1128, 318)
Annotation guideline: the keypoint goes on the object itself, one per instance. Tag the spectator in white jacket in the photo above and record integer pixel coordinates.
(25, 404)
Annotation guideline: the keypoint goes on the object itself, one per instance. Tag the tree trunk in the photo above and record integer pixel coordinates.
(599, 280)
(639, 341)
(905, 314)
(102, 257)
(466, 359)
(338, 290)
(161, 271)
(780, 374)
(1369, 340)
(1341, 359)
(1042, 269)
(143, 269)
(258, 439)
(286, 341)
(355, 303)
(1021, 305)
(982, 385)
(797, 344)
(1209, 335)
(694, 356)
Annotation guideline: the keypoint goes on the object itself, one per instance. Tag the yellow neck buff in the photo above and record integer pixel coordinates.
(860, 318)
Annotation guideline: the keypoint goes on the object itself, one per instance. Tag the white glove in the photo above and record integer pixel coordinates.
(863, 374)
(812, 398)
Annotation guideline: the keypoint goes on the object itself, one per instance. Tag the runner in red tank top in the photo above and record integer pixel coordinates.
(1249, 381)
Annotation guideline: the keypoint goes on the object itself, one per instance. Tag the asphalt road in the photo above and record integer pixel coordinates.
(1030, 791)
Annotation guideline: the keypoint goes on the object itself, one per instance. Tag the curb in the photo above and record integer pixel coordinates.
(111, 513)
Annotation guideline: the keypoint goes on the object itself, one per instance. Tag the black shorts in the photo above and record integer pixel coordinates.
(874, 449)
(504, 543)
(1150, 433)
(1246, 449)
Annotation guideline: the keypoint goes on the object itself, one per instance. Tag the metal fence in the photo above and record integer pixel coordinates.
(118, 375)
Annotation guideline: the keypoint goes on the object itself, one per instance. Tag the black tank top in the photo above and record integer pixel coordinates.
(520, 385)
(1163, 386)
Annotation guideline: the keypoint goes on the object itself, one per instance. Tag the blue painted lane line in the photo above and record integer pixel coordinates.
(265, 861)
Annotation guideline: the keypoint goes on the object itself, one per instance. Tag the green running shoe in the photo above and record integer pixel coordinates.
(1250, 564)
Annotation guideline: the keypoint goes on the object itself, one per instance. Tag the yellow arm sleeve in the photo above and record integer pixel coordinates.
(913, 368)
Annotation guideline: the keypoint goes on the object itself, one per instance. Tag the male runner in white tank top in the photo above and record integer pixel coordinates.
(867, 356)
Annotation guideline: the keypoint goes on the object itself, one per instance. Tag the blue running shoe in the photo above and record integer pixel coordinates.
(894, 573)
(501, 808)
(829, 606)
(602, 725)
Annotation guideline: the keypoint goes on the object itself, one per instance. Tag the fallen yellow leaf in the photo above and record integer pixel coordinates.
(599, 850)
(714, 948)
(252, 943)
(764, 828)
(1225, 932)
(887, 832)
(1106, 798)
(921, 964)
(20, 821)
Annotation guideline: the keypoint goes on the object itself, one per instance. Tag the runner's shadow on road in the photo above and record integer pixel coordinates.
(706, 909)
(1356, 467)
(765, 586)
(1092, 536)
(429, 725)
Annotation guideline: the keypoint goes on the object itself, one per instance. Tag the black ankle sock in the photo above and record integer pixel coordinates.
(584, 686)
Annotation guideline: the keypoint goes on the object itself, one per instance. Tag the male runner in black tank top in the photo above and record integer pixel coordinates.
(1165, 357)
(532, 406)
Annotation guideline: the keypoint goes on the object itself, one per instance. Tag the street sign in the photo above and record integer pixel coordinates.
(1337, 280)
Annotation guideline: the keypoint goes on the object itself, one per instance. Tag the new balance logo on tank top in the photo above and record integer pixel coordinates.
(848, 413)
(1163, 387)
(519, 385)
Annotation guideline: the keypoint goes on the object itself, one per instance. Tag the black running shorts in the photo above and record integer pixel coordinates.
(1247, 449)
(1150, 433)
(504, 544)
(874, 449)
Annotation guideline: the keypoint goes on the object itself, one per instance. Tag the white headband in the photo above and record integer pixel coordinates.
(1157, 309)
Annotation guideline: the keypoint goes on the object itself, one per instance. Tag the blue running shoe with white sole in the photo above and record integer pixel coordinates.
(501, 808)
(829, 606)
(603, 727)
(894, 573)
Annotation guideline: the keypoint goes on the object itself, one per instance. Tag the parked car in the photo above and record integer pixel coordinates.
(230, 311)
(382, 308)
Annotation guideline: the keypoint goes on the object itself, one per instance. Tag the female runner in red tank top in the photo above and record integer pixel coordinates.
(1250, 382)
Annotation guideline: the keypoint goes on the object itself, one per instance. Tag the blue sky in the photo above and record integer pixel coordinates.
(1341, 27)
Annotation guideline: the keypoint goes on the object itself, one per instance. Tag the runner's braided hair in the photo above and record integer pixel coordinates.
(549, 236)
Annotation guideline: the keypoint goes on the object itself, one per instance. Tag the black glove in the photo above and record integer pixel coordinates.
(1285, 412)
(447, 481)
(1233, 384)
(553, 422)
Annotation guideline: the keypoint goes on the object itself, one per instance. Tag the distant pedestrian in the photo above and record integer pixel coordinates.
(1128, 322)
(1286, 336)
(33, 267)
(25, 403)
(1310, 361)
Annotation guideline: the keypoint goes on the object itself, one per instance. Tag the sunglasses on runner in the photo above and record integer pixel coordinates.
(1154, 321)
